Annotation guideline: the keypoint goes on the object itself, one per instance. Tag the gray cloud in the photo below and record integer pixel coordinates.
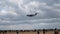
(13, 14)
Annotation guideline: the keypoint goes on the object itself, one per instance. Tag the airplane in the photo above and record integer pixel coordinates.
(31, 15)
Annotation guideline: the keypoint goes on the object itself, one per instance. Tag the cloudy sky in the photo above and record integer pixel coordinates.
(13, 14)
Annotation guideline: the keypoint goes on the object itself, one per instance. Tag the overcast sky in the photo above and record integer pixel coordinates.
(13, 14)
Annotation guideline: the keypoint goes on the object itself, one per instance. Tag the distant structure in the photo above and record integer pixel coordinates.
(39, 31)
(31, 15)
